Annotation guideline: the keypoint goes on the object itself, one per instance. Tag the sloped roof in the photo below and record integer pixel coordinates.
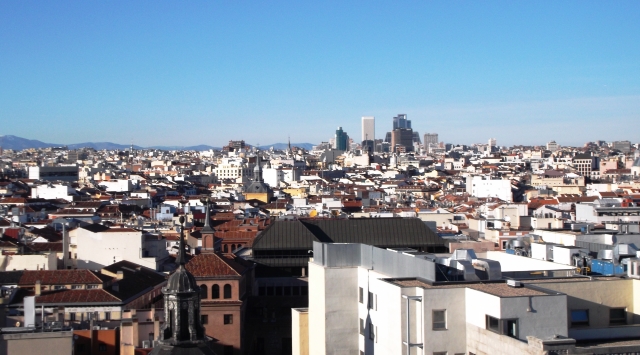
(59, 277)
(382, 232)
(286, 235)
(77, 296)
(212, 265)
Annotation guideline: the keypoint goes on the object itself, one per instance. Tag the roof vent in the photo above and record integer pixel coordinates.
(514, 283)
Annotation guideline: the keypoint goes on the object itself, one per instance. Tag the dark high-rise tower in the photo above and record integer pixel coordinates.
(342, 139)
(182, 332)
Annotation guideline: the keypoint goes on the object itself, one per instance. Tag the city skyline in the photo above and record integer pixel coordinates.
(121, 72)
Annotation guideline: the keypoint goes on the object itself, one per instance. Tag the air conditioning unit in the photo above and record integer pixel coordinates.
(514, 283)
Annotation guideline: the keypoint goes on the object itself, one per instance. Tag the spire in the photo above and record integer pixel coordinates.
(257, 171)
(206, 201)
(182, 255)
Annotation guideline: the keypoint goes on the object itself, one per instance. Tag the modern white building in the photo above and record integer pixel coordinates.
(368, 128)
(366, 300)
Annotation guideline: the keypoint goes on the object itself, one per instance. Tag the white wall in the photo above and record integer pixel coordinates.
(52, 192)
(479, 187)
(117, 185)
(333, 315)
(29, 262)
(97, 250)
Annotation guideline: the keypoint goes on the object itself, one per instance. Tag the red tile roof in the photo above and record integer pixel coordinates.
(213, 264)
(77, 296)
(59, 277)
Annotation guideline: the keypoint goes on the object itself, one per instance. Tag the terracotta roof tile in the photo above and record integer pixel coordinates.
(213, 264)
(77, 296)
(59, 277)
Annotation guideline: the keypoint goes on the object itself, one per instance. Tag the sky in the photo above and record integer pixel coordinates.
(206, 72)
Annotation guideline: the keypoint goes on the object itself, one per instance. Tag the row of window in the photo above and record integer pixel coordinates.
(283, 290)
(372, 299)
(580, 317)
(227, 319)
(82, 316)
(215, 291)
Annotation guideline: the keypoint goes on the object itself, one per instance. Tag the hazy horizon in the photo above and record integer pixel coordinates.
(183, 74)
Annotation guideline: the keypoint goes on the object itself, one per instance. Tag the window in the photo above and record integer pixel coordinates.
(579, 317)
(360, 295)
(228, 350)
(203, 291)
(204, 319)
(227, 291)
(372, 331)
(92, 287)
(618, 316)
(361, 326)
(59, 287)
(440, 353)
(507, 327)
(510, 327)
(76, 287)
(493, 324)
(439, 319)
(102, 347)
(215, 292)
(228, 319)
(372, 301)
(107, 315)
(72, 316)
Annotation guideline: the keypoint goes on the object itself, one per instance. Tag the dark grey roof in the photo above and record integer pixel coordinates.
(10, 277)
(382, 232)
(285, 235)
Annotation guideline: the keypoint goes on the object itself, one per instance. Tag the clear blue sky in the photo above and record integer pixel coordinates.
(191, 72)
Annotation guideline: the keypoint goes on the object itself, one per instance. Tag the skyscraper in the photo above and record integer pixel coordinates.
(342, 139)
(401, 121)
(368, 128)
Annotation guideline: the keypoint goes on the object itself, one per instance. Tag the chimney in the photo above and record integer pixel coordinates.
(38, 288)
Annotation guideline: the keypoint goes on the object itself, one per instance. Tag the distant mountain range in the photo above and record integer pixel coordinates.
(18, 143)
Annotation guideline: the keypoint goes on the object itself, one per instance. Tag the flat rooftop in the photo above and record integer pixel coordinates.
(500, 288)
(511, 263)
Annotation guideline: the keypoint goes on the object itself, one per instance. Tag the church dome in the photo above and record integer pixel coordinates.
(182, 281)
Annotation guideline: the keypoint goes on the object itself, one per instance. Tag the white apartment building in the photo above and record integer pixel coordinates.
(366, 300)
(553, 146)
(483, 187)
(606, 210)
(233, 168)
